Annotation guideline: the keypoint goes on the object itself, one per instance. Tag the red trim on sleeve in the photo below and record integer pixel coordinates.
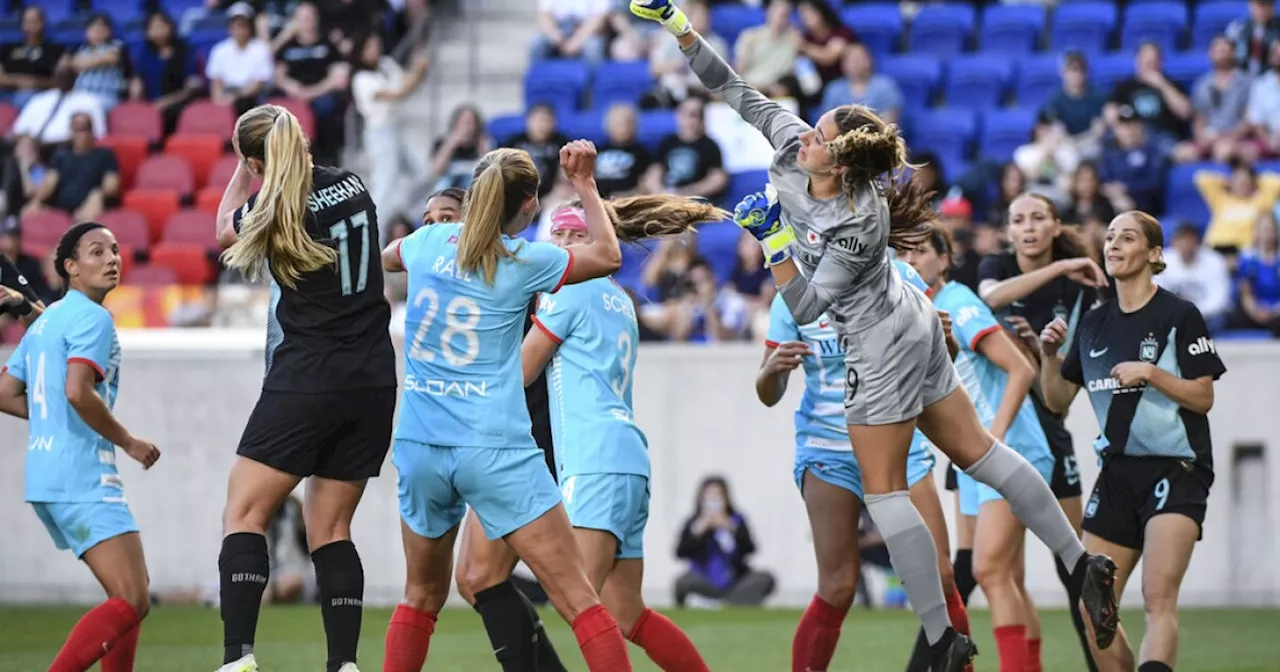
(400, 253)
(4, 370)
(92, 364)
(542, 327)
(973, 345)
(928, 291)
(564, 278)
(770, 344)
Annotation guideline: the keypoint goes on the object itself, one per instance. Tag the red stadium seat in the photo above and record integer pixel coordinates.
(189, 262)
(136, 120)
(207, 117)
(150, 275)
(127, 258)
(208, 200)
(130, 153)
(200, 151)
(130, 228)
(8, 114)
(300, 109)
(220, 174)
(166, 172)
(157, 205)
(12, 332)
(192, 227)
(44, 228)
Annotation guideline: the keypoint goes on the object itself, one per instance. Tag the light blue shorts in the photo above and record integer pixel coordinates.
(80, 526)
(840, 467)
(613, 503)
(507, 487)
(973, 494)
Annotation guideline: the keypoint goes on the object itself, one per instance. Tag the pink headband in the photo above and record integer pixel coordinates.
(568, 218)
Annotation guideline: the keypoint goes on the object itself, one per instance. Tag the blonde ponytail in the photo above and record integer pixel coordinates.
(657, 215)
(504, 180)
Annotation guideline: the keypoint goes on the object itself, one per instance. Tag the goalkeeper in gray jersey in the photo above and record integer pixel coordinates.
(825, 226)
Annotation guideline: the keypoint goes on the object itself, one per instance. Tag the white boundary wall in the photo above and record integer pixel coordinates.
(191, 392)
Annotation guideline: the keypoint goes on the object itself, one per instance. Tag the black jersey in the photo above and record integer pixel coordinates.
(331, 333)
(536, 396)
(13, 278)
(1140, 421)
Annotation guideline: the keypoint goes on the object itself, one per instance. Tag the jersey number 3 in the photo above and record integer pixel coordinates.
(341, 232)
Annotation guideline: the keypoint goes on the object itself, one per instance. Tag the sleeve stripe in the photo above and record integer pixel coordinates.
(973, 344)
(400, 253)
(564, 278)
(92, 364)
(770, 344)
(543, 328)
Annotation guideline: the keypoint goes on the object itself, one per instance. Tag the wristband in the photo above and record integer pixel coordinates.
(677, 24)
(777, 246)
(22, 309)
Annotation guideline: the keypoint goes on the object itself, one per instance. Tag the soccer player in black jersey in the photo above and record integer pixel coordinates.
(329, 393)
(1149, 365)
(17, 297)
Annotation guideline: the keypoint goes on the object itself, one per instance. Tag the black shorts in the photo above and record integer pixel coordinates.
(952, 484)
(342, 436)
(1065, 481)
(1132, 490)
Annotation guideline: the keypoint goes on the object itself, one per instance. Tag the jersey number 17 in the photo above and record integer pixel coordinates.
(341, 232)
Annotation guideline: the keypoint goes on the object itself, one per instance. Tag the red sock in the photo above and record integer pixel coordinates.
(94, 635)
(1011, 644)
(1033, 655)
(957, 613)
(666, 644)
(601, 641)
(816, 637)
(120, 657)
(408, 638)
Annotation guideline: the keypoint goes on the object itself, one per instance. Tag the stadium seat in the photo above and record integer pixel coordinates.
(718, 244)
(57, 11)
(208, 199)
(122, 12)
(1003, 131)
(1011, 29)
(558, 83)
(166, 171)
(149, 275)
(136, 119)
(505, 126)
(1161, 22)
(941, 29)
(947, 133)
(301, 109)
(620, 82)
(584, 126)
(200, 151)
(8, 114)
(130, 228)
(44, 228)
(130, 153)
(1107, 71)
(742, 184)
(192, 227)
(12, 332)
(1185, 68)
(222, 171)
(729, 20)
(1085, 26)
(157, 205)
(207, 117)
(1182, 200)
(1211, 18)
(977, 82)
(127, 258)
(916, 75)
(189, 262)
(1244, 335)
(1037, 81)
(654, 126)
(878, 24)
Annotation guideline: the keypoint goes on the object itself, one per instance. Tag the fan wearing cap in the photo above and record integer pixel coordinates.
(20, 293)
(241, 66)
(1134, 164)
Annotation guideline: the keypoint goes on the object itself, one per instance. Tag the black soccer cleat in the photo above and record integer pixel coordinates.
(953, 653)
(1098, 594)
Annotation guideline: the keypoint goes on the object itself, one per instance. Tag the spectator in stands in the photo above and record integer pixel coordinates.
(164, 70)
(30, 267)
(1220, 98)
(22, 175)
(571, 30)
(101, 64)
(955, 214)
(823, 39)
(240, 67)
(1049, 160)
(47, 116)
(1156, 100)
(688, 162)
(1134, 164)
(621, 162)
(1254, 37)
(542, 139)
(675, 78)
(1236, 203)
(1078, 104)
(765, 55)
(1199, 275)
(751, 281)
(717, 542)
(1088, 205)
(81, 178)
(310, 68)
(454, 156)
(378, 89)
(1261, 136)
(861, 85)
(1258, 283)
(930, 175)
(1013, 183)
(26, 68)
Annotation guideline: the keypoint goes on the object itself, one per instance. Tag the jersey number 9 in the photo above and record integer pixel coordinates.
(461, 317)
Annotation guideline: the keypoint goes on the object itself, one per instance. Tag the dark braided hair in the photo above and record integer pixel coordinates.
(67, 247)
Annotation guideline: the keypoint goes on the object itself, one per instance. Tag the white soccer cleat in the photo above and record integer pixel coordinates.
(246, 664)
(348, 667)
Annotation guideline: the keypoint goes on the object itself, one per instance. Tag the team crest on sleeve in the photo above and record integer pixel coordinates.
(1148, 349)
(811, 237)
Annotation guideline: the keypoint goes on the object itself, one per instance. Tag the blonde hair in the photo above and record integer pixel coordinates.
(273, 234)
(1153, 232)
(656, 215)
(870, 149)
(504, 180)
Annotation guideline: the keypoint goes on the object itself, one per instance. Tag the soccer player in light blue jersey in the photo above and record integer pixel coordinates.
(829, 478)
(63, 378)
(997, 376)
(586, 339)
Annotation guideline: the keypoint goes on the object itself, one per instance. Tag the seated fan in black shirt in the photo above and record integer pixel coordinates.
(622, 161)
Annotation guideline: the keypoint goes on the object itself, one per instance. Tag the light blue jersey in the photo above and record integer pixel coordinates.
(590, 379)
(463, 384)
(67, 461)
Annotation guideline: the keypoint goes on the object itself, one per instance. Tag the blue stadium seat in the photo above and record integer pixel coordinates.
(654, 126)
(942, 29)
(948, 133)
(741, 184)
(917, 75)
(1244, 335)
(977, 82)
(1162, 22)
(584, 126)
(1037, 81)
(1003, 131)
(633, 257)
(879, 25)
(1107, 71)
(1011, 29)
(1182, 200)
(729, 20)
(558, 83)
(718, 244)
(10, 35)
(57, 10)
(1211, 18)
(1185, 68)
(506, 126)
(1086, 26)
(122, 12)
(620, 82)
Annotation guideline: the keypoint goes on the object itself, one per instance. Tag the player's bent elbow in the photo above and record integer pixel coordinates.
(226, 237)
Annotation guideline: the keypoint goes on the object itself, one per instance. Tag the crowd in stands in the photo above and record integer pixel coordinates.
(1159, 105)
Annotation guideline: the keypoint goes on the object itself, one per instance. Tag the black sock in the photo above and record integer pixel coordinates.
(1154, 666)
(515, 630)
(963, 570)
(1077, 620)
(243, 568)
(340, 579)
(921, 655)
